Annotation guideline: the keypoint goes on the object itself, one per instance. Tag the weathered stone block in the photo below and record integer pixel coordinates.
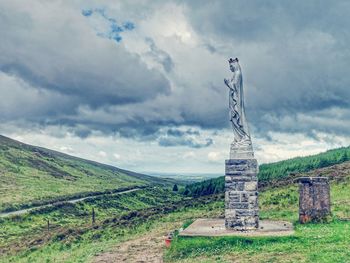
(241, 178)
(230, 213)
(241, 196)
(238, 166)
(235, 205)
(235, 198)
(314, 198)
(251, 186)
(253, 199)
(244, 197)
(240, 186)
(247, 212)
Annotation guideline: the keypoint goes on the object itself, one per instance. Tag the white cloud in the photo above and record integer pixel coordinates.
(102, 153)
(215, 156)
(188, 155)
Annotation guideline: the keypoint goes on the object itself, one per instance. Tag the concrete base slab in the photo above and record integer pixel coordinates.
(216, 227)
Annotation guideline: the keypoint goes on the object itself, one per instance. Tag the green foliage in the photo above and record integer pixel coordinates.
(117, 217)
(207, 187)
(32, 176)
(187, 223)
(175, 188)
(303, 164)
(284, 198)
(275, 171)
(107, 208)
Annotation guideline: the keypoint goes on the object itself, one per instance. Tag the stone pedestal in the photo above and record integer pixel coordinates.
(314, 199)
(241, 152)
(241, 194)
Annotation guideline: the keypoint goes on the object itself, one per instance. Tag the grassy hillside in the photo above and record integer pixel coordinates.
(322, 242)
(73, 237)
(142, 218)
(32, 175)
(149, 214)
(279, 172)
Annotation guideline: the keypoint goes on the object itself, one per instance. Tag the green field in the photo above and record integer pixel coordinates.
(311, 243)
(73, 238)
(32, 175)
(323, 242)
(135, 219)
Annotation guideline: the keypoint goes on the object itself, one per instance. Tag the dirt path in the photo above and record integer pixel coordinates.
(145, 249)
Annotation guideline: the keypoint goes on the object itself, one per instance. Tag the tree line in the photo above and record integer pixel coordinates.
(275, 171)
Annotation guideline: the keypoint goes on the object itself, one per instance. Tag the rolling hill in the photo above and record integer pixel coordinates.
(282, 172)
(131, 227)
(31, 175)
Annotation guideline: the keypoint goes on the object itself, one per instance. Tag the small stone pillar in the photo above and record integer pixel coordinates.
(314, 199)
(241, 194)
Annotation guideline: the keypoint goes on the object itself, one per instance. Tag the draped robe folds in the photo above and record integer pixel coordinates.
(236, 107)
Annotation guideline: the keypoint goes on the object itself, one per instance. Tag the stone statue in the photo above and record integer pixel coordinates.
(241, 147)
(241, 170)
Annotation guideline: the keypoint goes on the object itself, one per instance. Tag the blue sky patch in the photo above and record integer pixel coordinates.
(87, 12)
(114, 29)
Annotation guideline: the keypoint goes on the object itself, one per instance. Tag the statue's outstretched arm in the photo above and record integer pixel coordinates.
(228, 84)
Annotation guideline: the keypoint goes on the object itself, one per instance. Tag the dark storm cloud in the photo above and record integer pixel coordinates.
(180, 141)
(295, 57)
(180, 133)
(189, 138)
(44, 53)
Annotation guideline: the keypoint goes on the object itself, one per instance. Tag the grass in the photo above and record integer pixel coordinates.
(84, 247)
(74, 239)
(120, 218)
(68, 215)
(32, 176)
(326, 242)
(311, 243)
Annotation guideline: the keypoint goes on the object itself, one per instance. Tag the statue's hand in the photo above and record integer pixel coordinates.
(226, 82)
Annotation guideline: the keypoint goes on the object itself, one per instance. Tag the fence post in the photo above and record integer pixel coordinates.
(93, 216)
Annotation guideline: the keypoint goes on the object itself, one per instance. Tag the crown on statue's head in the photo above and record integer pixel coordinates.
(231, 60)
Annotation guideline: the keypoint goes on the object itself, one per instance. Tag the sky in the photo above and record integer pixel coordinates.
(139, 84)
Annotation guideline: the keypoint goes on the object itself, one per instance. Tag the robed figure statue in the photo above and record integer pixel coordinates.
(241, 147)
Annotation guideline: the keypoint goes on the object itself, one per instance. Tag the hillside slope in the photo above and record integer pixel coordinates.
(33, 175)
(328, 163)
(132, 227)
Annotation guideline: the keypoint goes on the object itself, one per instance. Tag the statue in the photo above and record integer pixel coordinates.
(241, 170)
(241, 147)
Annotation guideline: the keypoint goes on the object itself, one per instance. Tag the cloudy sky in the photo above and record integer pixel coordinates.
(139, 84)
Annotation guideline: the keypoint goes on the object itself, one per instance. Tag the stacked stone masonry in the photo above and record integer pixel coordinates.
(241, 194)
(314, 199)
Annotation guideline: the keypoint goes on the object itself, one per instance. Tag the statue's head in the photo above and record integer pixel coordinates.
(233, 64)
